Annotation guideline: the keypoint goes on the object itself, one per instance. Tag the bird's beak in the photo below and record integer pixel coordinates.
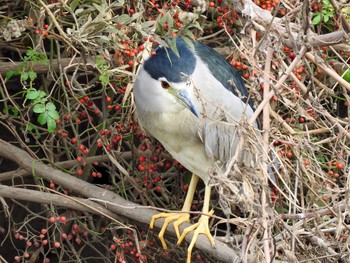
(185, 98)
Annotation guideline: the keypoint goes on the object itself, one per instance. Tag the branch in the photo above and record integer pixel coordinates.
(42, 68)
(120, 206)
(61, 200)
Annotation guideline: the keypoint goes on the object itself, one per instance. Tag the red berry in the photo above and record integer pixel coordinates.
(44, 33)
(142, 158)
(113, 247)
(108, 99)
(141, 167)
(185, 187)
(56, 244)
(46, 26)
(157, 179)
(143, 148)
(340, 165)
(141, 48)
(73, 140)
(62, 219)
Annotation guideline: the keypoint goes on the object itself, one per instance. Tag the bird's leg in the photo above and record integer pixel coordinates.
(201, 227)
(179, 218)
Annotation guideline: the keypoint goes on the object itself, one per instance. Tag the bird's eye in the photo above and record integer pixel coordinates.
(165, 85)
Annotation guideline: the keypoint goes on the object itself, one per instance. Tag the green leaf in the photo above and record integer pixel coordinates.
(325, 18)
(30, 127)
(42, 118)
(32, 94)
(10, 74)
(74, 4)
(14, 110)
(32, 75)
(98, 8)
(122, 18)
(188, 42)
(54, 115)
(172, 45)
(30, 52)
(51, 124)
(50, 106)
(39, 108)
(24, 76)
(346, 75)
(147, 24)
(41, 97)
(317, 19)
(41, 94)
(189, 34)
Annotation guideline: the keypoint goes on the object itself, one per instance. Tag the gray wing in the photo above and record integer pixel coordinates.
(221, 112)
(221, 137)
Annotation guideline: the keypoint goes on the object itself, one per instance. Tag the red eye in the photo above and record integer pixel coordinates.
(165, 85)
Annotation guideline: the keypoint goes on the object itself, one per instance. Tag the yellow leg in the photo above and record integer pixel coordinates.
(201, 227)
(179, 218)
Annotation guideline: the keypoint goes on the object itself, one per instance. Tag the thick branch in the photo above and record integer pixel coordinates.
(42, 68)
(76, 203)
(120, 206)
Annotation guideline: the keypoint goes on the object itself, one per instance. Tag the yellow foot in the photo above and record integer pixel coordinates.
(201, 227)
(179, 218)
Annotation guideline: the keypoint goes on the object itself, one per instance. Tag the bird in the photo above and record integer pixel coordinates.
(191, 100)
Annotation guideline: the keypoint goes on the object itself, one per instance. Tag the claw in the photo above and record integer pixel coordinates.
(179, 218)
(201, 227)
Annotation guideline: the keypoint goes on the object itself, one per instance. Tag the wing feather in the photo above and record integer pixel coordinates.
(221, 110)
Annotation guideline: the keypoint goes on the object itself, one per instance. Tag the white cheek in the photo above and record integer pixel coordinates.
(150, 96)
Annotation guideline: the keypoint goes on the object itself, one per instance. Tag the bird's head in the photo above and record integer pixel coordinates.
(164, 81)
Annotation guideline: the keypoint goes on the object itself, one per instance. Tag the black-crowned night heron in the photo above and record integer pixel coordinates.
(191, 101)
